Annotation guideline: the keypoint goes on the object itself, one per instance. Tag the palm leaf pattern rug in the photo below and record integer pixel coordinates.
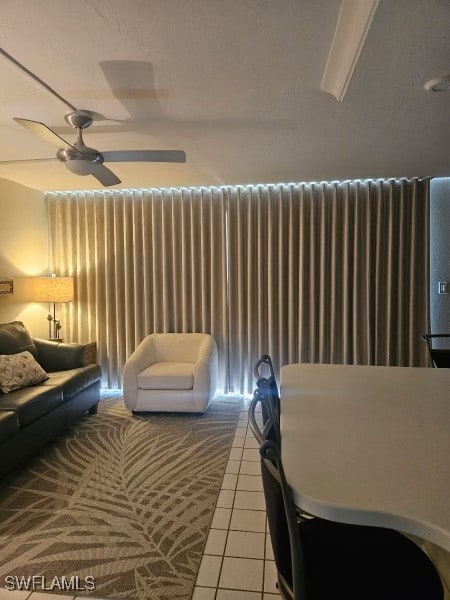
(125, 499)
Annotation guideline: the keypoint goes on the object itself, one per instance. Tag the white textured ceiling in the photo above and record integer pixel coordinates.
(235, 83)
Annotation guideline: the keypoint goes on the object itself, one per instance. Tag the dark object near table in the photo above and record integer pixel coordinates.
(440, 357)
(267, 383)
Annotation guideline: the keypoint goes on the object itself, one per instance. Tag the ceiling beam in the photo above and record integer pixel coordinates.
(354, 20)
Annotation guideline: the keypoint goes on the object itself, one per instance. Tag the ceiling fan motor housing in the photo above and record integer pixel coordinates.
(80, 153)
(79, 158)
(79, 118)
(79, 161)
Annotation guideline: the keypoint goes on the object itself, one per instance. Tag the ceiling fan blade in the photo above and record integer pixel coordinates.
(175, 156)
(104, 175)
(25, 160)
(44, 132)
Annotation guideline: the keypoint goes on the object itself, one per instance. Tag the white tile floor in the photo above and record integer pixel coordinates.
(237, 562)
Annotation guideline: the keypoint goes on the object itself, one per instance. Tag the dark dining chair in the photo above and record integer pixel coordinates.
(267, 382)
(318, 559)
(267, 391)
(440, 357)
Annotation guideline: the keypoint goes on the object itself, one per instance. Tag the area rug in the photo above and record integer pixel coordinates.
(126, 500)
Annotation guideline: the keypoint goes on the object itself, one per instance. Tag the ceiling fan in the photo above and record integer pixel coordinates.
(83, 160)
(77, 157)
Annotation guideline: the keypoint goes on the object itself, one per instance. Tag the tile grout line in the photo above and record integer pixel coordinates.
(217, 588)
(264, 550)
(261, 593)
(224, 549)
(231, 514)
(229, 522)
(265, 544)
(266, 531)
(215, 508)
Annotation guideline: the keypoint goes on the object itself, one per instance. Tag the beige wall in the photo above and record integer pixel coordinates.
(23, 252)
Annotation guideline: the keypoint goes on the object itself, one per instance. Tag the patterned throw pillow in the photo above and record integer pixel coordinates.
(18, 371)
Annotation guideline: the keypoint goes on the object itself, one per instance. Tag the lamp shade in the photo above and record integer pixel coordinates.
(52, 289)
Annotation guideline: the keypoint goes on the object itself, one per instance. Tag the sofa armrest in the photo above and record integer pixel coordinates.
(56, 356)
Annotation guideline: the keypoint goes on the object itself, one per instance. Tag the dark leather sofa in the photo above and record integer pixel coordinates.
(33, 415)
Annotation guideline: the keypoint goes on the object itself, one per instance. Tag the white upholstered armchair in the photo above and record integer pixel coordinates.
(171, 372)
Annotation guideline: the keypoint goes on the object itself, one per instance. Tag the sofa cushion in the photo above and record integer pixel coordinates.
(56, 356)
(31, 403)
(9, 424)
(74, 381)
(15, 338)
(18, 371)
(167, 376)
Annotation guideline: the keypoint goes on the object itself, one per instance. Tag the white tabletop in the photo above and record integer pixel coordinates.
(369, 445)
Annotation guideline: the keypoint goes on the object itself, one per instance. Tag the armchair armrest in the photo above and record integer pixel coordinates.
(140, 359)
(143, 356)
(56, 356)
(205, 374)
(207, 350)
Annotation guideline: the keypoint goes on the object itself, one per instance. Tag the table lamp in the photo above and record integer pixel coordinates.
(53, 290)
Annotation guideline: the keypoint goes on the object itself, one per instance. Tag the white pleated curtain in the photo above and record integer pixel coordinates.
(329, 272)
(143, 261)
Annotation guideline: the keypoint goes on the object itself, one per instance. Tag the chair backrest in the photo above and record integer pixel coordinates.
(271, 426)
(267, 382)
(281, 514)
(178, 347)
(440, 357)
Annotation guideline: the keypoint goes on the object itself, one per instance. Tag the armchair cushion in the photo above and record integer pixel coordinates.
(167, 376)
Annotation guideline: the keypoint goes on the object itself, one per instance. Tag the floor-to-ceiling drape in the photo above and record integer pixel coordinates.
(143, 261)
(323, 272)
(328, 272)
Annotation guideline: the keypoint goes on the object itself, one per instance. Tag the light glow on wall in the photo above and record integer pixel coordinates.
(21, 252)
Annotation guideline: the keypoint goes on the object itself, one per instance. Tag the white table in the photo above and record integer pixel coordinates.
(369, 445)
